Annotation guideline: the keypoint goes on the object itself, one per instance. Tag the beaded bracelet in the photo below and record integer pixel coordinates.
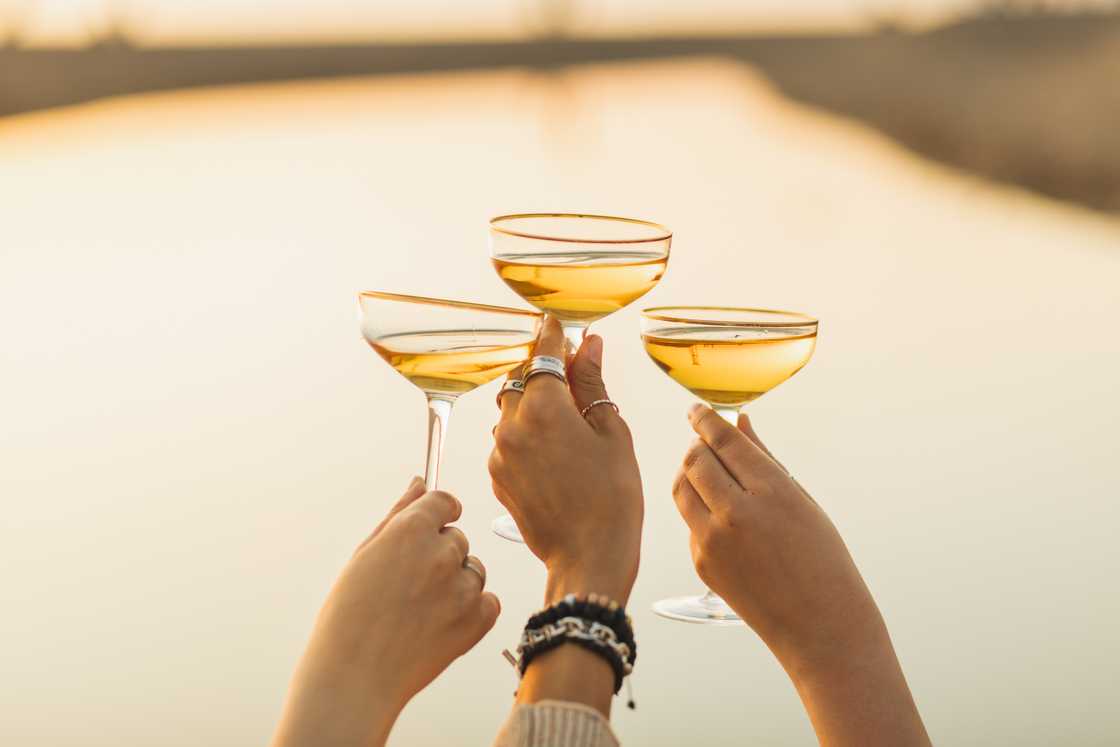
(596, 608)
(597, 624)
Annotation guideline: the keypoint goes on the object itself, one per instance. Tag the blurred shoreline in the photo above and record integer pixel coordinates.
(1028, 99)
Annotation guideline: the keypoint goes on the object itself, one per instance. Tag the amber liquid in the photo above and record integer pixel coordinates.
(581, 287)
(729, 366)
(450, 363)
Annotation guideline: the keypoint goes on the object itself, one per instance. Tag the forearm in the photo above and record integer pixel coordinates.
(860, 698)
(322, 712)
(328, 727)
(569, 673)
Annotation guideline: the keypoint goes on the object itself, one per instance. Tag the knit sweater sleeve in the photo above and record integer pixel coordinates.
(554, 723)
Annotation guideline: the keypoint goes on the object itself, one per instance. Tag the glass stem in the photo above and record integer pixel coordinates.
(439, 416)
(573, 336)
(710, 598)
(730, 414)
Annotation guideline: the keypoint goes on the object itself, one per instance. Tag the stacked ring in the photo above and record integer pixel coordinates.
(596, 403)
(546, 364)
(511, 385)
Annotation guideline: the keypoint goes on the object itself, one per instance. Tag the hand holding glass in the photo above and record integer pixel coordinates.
(726, 357)
(579, 268)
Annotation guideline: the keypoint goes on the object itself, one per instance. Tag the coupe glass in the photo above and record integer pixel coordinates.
(726, 357)
(446, 348)
(578, 268)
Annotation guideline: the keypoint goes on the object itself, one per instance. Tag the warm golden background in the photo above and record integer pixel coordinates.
(193, 437)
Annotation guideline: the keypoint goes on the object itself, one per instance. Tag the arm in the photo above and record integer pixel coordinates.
(572, 484)
(763, 544)
(404, 607)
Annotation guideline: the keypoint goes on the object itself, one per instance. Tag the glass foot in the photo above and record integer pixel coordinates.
(505, 527)
(707, 609)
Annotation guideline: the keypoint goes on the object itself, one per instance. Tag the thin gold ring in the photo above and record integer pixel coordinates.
(596, 403)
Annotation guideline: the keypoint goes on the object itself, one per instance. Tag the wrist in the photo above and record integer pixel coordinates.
(860, 697)
(832, 661)
(333, 702)
(606, 579)
(325, 715)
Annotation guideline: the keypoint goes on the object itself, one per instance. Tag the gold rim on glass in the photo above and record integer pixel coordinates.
(448, 302)
(793, 318)
(665, 232)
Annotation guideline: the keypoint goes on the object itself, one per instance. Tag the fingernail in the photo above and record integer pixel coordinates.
(695, 410)
(416, 480)
(595, 349)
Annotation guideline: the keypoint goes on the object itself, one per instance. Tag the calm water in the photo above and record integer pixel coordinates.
(194, 436)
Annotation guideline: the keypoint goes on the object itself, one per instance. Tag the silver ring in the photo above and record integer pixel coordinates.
(545, 364)
(596, 403)
(511, 385)
(471, 563)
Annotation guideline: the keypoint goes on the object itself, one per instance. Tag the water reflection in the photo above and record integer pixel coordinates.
(1026, 97)
(194, 435)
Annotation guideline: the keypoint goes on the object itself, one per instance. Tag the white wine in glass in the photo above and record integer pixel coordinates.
(446, 348)
(726, 357)
(579, 268)
(578, 288)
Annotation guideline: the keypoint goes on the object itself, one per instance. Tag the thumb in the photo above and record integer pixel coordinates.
(585, 374)
(415, 490)
(748, 431)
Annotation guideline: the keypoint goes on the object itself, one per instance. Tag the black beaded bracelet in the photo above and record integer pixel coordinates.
(595, 607)
(597, 624)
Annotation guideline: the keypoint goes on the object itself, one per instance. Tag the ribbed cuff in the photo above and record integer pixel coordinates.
(556, 723)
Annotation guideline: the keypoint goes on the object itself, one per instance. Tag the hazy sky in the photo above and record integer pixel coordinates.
(70, 21)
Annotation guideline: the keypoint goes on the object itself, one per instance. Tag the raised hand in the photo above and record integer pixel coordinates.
(408, 603)
(571, 482)
(759, 541)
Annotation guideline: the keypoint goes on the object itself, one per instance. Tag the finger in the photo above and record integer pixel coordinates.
(748, 429)
(585, 379)
(439, 506)
(743, 459)
(414, 490)
(585, 373)
(507, 401)
(489, 607)
(474, 568)
(713, 483)
(455, 534)
(689, 503)
(551, 342)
